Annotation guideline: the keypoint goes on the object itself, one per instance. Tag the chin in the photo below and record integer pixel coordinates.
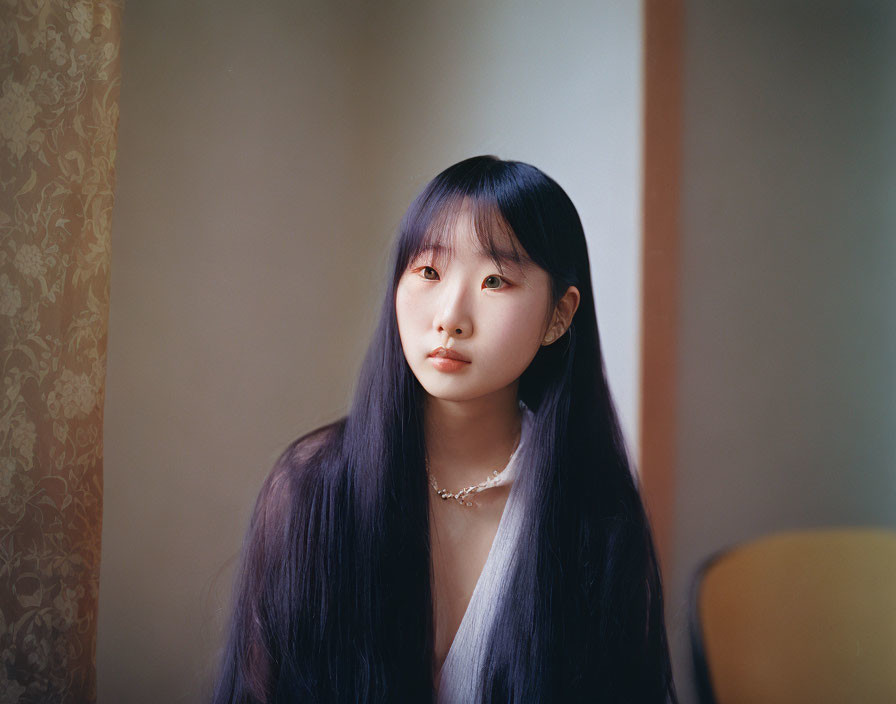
(454, 390)
(447, 390)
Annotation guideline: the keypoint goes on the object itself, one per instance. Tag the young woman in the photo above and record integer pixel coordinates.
(471, 530)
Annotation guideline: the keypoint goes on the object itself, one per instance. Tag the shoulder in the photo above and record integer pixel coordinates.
(304, 450)
(282, 486)
(300, 456)
(306, 447)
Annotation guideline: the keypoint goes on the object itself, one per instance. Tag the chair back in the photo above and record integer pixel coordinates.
(798, 618)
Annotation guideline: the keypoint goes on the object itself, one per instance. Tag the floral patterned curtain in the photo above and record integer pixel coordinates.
(60, 74)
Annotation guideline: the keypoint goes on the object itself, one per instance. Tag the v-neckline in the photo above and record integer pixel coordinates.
(499, 537)
(477, 588)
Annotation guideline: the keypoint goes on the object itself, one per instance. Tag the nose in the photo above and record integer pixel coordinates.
(454, 317)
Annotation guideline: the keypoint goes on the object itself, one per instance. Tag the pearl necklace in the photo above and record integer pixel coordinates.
(496, 479)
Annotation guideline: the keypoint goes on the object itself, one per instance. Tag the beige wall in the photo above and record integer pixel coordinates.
(265, 158)
(787, 390)
(241, 286)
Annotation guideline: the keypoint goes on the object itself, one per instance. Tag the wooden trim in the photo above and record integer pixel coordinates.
(663, 68)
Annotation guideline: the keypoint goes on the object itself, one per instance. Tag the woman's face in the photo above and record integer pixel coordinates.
(459, 300)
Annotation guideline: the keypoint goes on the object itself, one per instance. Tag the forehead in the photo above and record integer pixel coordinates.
(450, 250)
(474, 231)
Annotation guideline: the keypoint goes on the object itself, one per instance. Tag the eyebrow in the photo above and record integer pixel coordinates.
(504, 255)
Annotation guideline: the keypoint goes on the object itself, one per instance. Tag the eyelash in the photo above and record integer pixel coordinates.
(500, 278)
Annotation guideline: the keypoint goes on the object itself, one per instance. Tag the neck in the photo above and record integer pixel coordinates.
(467, 440)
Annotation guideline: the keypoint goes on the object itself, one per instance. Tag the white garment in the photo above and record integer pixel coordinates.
(459, 678)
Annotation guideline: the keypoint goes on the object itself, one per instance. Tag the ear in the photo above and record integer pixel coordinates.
(563, 313)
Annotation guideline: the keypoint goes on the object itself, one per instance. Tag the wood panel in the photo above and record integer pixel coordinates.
(662, 124)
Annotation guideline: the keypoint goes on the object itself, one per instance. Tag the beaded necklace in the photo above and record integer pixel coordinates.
(498, 478)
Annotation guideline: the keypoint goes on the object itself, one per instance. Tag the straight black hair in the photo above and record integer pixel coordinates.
(333, 599)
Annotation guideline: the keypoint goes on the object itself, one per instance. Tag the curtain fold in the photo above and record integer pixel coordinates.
(60, 73)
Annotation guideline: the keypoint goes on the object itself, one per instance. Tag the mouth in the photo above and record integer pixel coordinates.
(442, 353)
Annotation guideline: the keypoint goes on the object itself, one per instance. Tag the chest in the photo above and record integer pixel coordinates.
(460, 540)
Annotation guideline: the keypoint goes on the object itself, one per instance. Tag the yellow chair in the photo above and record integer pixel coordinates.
(798, 618)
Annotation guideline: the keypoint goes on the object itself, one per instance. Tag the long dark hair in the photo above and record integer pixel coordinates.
(333, 600)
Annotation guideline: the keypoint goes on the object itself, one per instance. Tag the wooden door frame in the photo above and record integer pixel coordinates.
(662, 153)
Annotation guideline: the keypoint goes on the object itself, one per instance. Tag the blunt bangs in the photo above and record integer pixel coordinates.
(429, 227)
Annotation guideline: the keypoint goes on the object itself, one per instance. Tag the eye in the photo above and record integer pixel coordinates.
(496, 279)
(429, 268)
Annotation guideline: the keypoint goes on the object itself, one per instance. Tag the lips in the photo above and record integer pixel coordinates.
(448, 354)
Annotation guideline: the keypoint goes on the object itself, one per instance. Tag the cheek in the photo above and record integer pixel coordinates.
(408, 309)
(518, 330)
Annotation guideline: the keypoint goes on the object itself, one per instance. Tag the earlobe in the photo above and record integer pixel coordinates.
(556, 331)
(553, 336)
